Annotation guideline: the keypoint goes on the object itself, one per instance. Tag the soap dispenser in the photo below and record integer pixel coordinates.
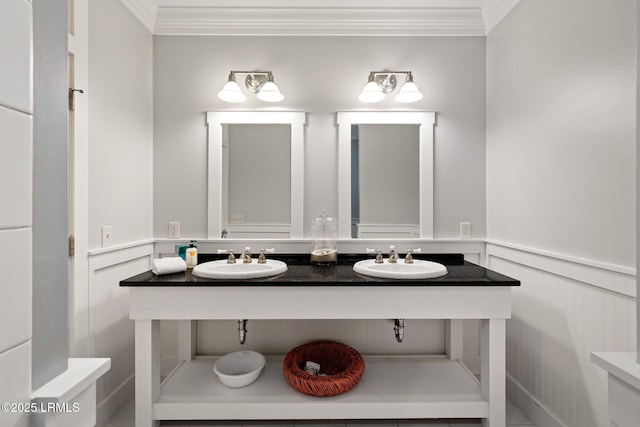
(324, 234)
(192, 255)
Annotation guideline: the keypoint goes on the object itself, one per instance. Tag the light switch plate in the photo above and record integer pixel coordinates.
(107, 235)
(174, 230)
(465, 230)
(237, 218)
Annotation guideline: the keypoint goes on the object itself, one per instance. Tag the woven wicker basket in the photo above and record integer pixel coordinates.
(343, 365)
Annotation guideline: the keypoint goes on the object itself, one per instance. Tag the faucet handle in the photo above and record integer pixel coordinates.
(393, 256)
(379, 257)
(261, 258)
(408, 259)
(231, 259)
(246, 256)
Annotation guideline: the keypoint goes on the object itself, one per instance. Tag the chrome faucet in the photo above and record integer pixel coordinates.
(379, 257)
(393, 256)
(231, 259)
(261, 258)
(246, 256)
(408, 259)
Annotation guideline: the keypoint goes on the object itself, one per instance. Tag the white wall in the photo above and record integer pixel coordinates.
(120, 193)
(120, 124)
(560, 128)
(16, 159)
(320, 75)
(561, 194)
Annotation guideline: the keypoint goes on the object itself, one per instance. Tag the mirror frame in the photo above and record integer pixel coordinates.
(426, 120)
(215, 120)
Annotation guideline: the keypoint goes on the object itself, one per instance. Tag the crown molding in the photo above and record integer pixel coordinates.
(331, 18)
(144, 10)
(320, 21)
(320, 4)
(494, 11)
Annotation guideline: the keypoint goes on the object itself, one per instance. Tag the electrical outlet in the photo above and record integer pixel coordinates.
(465, 230)
(237, 218)
(174, 230)
(107, 235)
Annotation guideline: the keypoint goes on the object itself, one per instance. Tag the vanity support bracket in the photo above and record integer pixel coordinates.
(454, 345)
(187, 333)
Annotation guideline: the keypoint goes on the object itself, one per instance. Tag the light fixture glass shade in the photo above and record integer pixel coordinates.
(231, 92)
(409, 92)
(270, 93)
(371, 93)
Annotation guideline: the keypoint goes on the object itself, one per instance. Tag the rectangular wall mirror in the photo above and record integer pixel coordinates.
(256, 174)
(385, 181)
(385, 174)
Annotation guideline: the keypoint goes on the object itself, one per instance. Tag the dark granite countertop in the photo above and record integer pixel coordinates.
(301, 273)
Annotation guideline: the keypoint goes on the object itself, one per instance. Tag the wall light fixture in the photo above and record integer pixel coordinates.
(259, 82)
(382, 82)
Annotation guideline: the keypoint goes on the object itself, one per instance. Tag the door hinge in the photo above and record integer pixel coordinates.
(72, 246)
(72, 98)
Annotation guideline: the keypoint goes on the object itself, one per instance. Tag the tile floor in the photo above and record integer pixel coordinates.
(515, 418)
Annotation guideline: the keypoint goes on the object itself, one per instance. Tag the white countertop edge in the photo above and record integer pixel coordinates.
(80, 374)
(622, 365)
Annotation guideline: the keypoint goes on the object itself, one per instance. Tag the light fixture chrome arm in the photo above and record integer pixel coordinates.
(257, 81)
(382, 82)
(387, 79)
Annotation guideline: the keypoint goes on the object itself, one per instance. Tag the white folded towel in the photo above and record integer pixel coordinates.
(168, 265)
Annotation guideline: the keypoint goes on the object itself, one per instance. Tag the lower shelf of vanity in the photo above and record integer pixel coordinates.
(391, 387)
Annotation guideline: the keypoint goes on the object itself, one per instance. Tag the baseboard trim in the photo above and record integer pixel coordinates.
(536, 412)
(117, 400)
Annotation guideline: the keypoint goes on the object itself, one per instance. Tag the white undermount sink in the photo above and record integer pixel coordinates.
(419, 269)
(222, 270)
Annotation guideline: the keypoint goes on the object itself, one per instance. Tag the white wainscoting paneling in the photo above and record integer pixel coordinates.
(564, 310)
(613, 277)
(111, 333)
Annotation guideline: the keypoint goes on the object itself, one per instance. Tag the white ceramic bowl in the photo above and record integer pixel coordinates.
(240, 368)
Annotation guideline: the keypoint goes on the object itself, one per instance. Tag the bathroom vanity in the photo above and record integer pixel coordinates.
(392, 387)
